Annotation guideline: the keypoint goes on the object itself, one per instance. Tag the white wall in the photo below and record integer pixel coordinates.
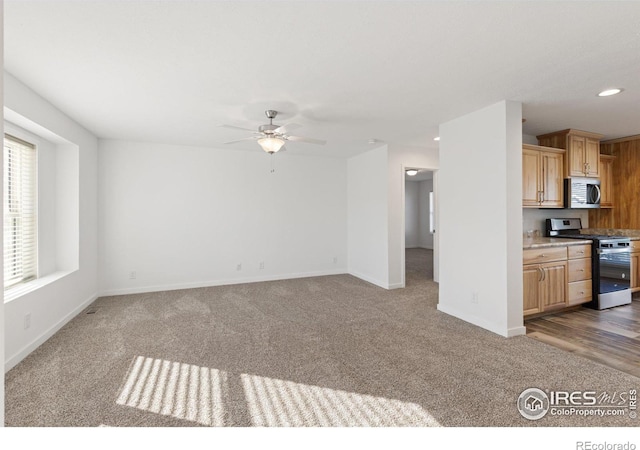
(480, 230)
(2, 327)
(529, 139)
(425, 237)
(47, 228)
(367, 220)
(184, 216)
(412, 214)
(416, 207)
(52, 305)
(399, 158)
(534, 219)
(513, 236)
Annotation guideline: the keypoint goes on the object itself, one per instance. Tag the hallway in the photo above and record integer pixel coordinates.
(418, 265)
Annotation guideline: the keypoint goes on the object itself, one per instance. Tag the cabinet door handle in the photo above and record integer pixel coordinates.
(543, 275)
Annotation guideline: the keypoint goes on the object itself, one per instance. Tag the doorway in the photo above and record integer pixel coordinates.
(419, 220)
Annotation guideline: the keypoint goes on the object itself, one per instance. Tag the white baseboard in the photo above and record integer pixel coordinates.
(369, 279)
(516, 331)
(38, 341)
(396, 286)
(201, 284)
(477, 321)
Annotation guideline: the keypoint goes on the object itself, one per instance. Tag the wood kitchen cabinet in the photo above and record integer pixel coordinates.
(606, 181)
(557, 277)
(545, 287)
(542, 175)
(582, 157)
(635, 266)
(579, 277)
(544, 283)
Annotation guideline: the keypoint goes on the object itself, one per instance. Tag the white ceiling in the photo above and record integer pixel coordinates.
(170, 71)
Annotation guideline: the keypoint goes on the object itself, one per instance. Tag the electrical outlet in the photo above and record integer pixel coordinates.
(27, 321)
(335, 260)
(239, 267)
(262, 265)
(133, 275)
(474, 298)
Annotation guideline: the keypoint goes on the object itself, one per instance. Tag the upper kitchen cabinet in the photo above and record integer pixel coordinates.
(606, 181)
(542, 174)
(625, 169)
(582, 158)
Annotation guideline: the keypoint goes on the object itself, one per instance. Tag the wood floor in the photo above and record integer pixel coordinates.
(610, 337)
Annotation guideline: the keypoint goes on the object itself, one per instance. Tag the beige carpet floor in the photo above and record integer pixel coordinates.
(326, 351)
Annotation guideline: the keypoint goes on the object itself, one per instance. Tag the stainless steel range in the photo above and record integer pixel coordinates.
(611, 263)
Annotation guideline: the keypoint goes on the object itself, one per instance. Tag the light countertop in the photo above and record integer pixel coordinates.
(542, 242)
(634, 235)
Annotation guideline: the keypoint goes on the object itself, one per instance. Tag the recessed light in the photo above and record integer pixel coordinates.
(437, 138)
(412, 172)
(609, 92)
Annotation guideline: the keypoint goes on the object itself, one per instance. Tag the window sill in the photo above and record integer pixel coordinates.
(26, 288)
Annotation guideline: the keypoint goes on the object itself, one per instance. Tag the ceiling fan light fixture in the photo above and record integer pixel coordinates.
(412, 172)
(271, 144)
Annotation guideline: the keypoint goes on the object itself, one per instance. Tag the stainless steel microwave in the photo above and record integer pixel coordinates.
(581, 192)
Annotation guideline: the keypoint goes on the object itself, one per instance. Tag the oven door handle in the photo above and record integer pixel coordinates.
(607, 251)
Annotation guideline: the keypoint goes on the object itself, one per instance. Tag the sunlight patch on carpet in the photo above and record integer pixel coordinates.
(183, 391)
(274, 402)
(197, 394)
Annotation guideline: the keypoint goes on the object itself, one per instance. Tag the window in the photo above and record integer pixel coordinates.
(432, 223)
(20, 212)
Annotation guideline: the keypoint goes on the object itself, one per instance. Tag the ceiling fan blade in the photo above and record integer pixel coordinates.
(307, 140)
(236, 128)
(240, 140)
(284, 129)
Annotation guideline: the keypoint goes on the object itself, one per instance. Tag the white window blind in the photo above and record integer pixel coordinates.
(20, 212)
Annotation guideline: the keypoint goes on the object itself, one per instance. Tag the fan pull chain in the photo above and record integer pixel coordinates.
(273, 164)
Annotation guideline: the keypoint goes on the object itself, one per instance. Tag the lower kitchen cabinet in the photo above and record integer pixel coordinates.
(545, 287)
(557, 277)
(635, 266)
(579, 288)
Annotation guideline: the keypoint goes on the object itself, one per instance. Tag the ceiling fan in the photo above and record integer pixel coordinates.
(272, 137)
